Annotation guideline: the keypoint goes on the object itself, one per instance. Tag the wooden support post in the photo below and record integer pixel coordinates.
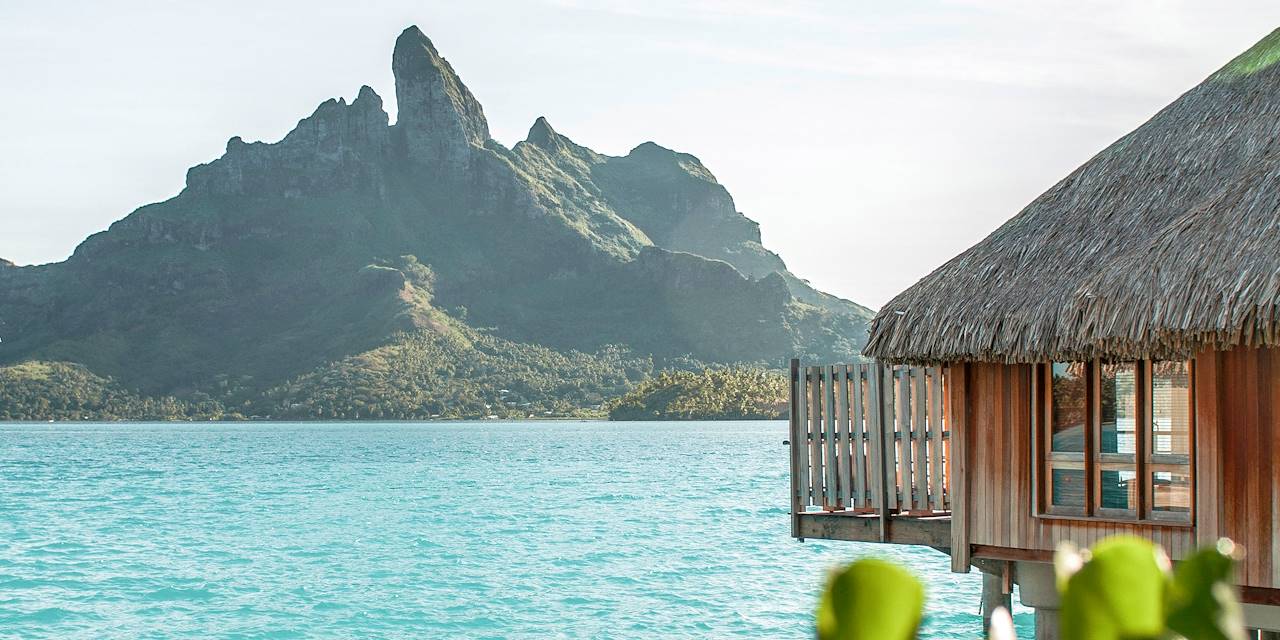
(888, 464)
(1046, 624)
(880, 447)
(994, 595)
(958, 468)
(802, 404)
(796, 449)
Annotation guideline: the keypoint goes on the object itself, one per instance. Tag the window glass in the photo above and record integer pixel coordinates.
(1119, 407)
(1068, 488)
(1171, 492)
(1170, 409)
(1119, 489)
(1068, 407)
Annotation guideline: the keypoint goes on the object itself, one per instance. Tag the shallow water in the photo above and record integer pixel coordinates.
(465, 530)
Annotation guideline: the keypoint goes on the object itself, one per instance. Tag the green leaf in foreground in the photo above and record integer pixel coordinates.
(870, 599)
(1118, 592)
(1200, 601)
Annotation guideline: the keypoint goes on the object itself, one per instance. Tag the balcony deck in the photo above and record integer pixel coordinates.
(870, 451)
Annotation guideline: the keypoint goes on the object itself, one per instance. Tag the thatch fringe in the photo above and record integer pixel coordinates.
(1165, 243)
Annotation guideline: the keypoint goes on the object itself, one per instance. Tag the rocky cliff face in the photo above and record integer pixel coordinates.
(339, 147)
(279, 257)
(440, 124)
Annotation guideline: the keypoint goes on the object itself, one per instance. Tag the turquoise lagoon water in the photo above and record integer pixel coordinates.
(466, 530)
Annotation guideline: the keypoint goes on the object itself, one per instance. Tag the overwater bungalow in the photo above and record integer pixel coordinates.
(1105, 362)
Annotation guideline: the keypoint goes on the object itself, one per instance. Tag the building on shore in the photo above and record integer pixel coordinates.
(1105, 362)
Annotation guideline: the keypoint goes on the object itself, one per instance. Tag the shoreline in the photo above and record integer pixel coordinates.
(429, 421)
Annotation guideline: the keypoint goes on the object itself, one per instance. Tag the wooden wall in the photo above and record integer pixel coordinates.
(1237, 479)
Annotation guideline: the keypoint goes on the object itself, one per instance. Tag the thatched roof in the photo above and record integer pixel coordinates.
(1167, 241)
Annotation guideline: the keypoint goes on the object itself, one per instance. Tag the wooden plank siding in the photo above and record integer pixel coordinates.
(1236, 490)
(1243, 480)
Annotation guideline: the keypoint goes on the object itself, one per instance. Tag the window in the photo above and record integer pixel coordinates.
(1115, 440)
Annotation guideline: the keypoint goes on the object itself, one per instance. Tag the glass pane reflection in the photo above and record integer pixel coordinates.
(1068, 407)
(1119, 406)
(1068, 488)
(1171, 492)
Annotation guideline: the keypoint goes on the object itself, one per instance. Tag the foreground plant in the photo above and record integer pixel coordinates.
(1122, 588)
(871, 599)
(1125, 588)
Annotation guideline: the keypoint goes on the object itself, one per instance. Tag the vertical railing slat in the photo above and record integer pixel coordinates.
(802, 420)
(937, 471)
(889, 448)
(793, 438)
(922, 426)
(831, 464)
(875, 439)
(815, 435)
(904, 437)
(857, 436)
(843, 438)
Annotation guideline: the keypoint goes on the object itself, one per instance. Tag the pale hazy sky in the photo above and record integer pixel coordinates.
(871, 140)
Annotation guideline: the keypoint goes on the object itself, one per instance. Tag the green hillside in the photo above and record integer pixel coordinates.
(62, 391)
(353, 246)
(720, 393)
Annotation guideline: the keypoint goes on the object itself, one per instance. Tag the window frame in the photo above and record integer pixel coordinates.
(1050, 460)
(1117, 461)
(1093, 462)
(1169, 462)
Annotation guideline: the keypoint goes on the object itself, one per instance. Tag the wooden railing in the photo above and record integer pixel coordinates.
(869, 438)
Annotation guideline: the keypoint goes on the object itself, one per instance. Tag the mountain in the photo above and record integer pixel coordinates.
(353, 236)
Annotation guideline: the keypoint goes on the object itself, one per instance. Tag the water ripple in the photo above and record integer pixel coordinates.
(545, 530)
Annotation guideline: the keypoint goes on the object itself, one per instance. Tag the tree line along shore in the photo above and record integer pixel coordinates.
(379, 385)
